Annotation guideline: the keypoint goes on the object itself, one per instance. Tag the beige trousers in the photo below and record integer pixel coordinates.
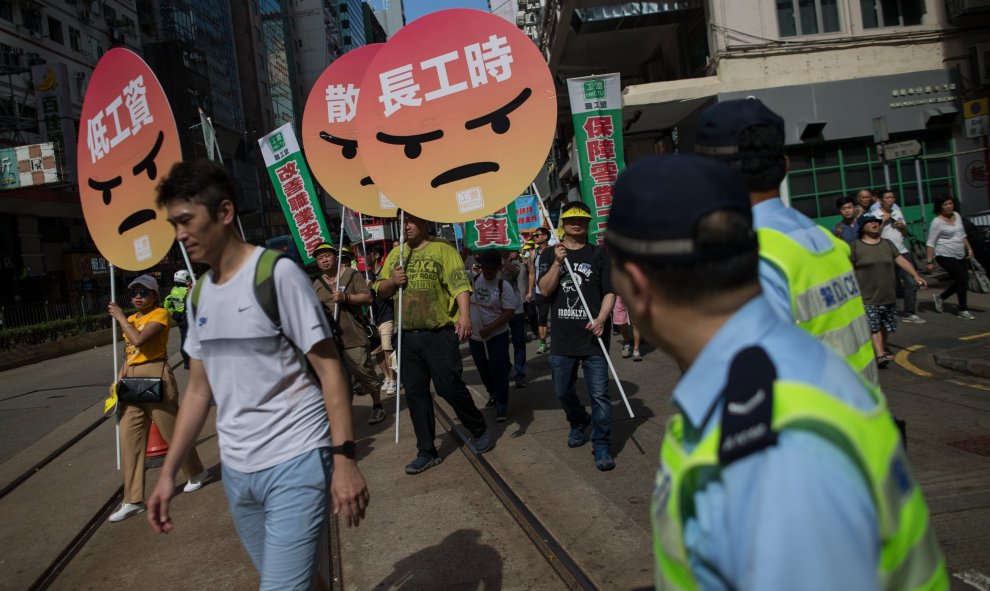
(135, 423)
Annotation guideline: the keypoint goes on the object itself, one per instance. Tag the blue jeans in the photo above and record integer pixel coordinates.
(279, 513)
(517, 328)
(563, 372)
(492, 360)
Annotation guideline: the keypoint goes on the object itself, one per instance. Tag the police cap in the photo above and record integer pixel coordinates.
(720, 126)
(659, 201)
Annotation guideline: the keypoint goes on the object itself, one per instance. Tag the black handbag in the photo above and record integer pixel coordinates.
(137, 390)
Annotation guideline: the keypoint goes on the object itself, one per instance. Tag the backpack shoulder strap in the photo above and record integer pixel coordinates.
(264, 285)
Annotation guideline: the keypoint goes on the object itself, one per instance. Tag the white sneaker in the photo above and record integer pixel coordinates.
(126, 510)
(196, 482)
(914, 319)
(938, 302)
(965, 315)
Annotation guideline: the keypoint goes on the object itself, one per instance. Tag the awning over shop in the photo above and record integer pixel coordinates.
(661, 105)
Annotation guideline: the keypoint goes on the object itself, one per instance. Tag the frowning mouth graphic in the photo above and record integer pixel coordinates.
(136, 219)
(463, 172)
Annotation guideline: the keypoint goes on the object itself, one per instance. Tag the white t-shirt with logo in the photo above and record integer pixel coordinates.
(489, 299)
(269, 409)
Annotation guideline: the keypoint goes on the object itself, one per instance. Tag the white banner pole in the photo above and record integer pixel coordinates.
(340, 245)
(398, 348)
(587, 310)
(116, 360)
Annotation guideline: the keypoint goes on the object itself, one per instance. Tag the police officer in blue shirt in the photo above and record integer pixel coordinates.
(783, 469)
(803, 268)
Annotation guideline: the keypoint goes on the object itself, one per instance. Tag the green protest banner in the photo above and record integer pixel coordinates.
(294, 188)
(596, 105)
(497, 231)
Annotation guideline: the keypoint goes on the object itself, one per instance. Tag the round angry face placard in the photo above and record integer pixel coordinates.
(457, 114)
(127, 142)
(330, 135)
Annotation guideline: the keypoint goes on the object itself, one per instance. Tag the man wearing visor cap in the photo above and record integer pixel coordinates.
(783, 469)
(573, 336)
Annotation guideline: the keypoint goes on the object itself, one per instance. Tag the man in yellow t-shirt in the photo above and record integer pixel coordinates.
(435, 319)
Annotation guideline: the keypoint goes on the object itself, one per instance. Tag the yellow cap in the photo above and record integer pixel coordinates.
(575, 212)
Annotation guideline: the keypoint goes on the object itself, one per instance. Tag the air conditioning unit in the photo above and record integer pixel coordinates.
(965, 8)
(979, 63)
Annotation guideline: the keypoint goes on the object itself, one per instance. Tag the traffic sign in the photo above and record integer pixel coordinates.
(902, 150)
(975, 108)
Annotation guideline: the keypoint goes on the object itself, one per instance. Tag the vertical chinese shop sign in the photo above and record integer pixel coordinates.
(294, 187)
(596, 104)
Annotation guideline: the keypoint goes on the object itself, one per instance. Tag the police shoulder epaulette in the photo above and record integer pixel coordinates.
(747, 406)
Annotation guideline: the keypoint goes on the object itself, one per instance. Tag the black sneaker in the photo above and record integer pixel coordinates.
(490, 404)
(422, 463)
(484, 442)
(520, 382)
(603, 459)
(502, 415)
(577, 436)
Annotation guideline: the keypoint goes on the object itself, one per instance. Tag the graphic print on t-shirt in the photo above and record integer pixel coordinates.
(572, 308)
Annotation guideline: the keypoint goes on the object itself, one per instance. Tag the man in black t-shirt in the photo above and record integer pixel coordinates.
(574, 336)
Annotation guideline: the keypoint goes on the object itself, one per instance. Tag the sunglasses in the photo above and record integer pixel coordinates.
(138, 293)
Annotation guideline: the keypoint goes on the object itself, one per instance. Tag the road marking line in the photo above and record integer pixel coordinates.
(973, 337)
(970, 385)
(902, 359)
(974, 578)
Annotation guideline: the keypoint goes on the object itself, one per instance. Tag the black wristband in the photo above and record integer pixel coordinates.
(347, 449)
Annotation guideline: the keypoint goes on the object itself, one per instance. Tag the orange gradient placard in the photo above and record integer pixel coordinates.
(330, 135)
(127, 142)
(457, 114)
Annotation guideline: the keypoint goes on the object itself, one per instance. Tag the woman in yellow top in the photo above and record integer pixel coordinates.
(146, 353)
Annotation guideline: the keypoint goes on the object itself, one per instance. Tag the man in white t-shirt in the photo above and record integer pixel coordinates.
(894, 228)
(493, 304)
(282, 434)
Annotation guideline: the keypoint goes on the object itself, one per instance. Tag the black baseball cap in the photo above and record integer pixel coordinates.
(659, 201)
(720, 126)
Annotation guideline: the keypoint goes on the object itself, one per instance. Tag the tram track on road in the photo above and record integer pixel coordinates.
(51, 573)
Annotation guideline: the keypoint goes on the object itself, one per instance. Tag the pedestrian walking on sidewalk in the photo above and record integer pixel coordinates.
(436, 318)
(146, 356)
(948, 244)
(541, 261)
(894, 228)
(797, 256)
(574, 336)
(628, 331)
(875, 259)
(493, 305)
(783, 468)
(342, 299)
(384, 309)
(515, 271)
(175, 305)
(286, 441)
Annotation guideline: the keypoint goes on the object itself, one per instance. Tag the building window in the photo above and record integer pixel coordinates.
(75, 39)
(80, 84)
(807, 17)
(95, 48)
(55, 31)
(32, 20)
(891, 13)
(821, 173)
(7, 10)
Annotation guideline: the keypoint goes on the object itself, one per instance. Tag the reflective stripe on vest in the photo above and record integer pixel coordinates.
(909, 554)
(825, 296)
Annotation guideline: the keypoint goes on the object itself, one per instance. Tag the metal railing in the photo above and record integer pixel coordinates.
(35, 313)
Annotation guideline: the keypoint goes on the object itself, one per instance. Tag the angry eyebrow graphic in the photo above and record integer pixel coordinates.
(148, 163)
(412, 143)
(105, 187)
(349, 147)
(499, 118)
